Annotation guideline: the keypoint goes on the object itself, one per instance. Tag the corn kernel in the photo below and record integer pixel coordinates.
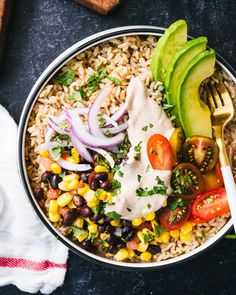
(131, 253)
(71, 177)
(165, 237)
(45, 154)
(74, 160)
(100, 169)
(63, 186)
(146, 256)
(56, 168)
(73, 184)
(164, 204)
(101, 221)
(158, 239)
(64, 199)
(93, 228)
(105, 196)
(75, 156)
(71, 204)
(121, 255)
(185, 237)
(110, 176)
(140, 236)
(82, 191)
(137, 221)
(89, 220)
(150, 216)
(186, 227)
(81, 237)
(53, 207)
(79, 222)
(142, 247)
(115, 222)
(104, 236)
(174, 233)
(93, 203)
(54, 217)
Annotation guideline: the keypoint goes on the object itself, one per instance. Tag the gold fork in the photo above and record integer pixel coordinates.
(222, 110)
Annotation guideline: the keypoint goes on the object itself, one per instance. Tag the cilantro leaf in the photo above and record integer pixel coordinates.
(158, 230)
(57, 153)
(114, 80)
(114, 215)
(66, 78)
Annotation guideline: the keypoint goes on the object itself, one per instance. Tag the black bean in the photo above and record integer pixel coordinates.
(78, 201)
(101, 228)
(101, 176)
(112, 240)
(137, 252)
(106, 185)
(131, 235)
(94, 185)
(46, 176)
(108, 219)
(153, 249)
(87, 245)
(125, 231)
(121, 245)
(125, 222)
(70, 216)
(112, 249)
(38, 192)
(110, 229)
(119, 161)
(96, 218)
(54, 181)
(85, 211)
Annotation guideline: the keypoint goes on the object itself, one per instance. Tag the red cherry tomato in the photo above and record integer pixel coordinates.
(213, 179)
(197, 220)
(211, 204)
(159, 152)
(53, 193)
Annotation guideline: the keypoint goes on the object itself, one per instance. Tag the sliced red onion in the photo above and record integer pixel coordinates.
(73, 167)
(88, 139)
(62, 117)
(57, 128)
(52, 145)
(109, 121)
(94, 110)
(106, 155)
(119, 114)
(79, 146)
(115, 130)
(49, 134)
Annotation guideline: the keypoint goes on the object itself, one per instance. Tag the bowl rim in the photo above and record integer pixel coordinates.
(43, 79)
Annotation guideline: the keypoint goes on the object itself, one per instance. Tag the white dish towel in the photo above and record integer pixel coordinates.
(30, 256)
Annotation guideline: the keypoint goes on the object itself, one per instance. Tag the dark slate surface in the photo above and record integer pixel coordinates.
(39, 31)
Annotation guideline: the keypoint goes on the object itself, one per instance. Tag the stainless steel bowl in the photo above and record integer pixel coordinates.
(61, 60)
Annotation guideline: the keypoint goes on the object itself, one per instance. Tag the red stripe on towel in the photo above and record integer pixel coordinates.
(29, 264)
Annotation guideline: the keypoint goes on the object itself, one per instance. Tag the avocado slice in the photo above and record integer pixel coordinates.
(194, 114)
(177, 65)
(167, 45)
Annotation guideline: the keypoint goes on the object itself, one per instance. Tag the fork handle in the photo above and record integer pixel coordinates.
(230, 188)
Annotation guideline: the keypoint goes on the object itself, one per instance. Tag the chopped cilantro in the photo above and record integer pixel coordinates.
(159, 188)
(78, 231)
(149, 236)
(101, 161)
(158, 230)
(150, 125)
(116, 186)
(94, 81)
(139, 178)
(137, 157)
(173, 219)
(100, 66)
(78, 96)
(148, 168)
(114, 215)
(175, 204)
(98, 192)
(102, 122)
(149, 206)
(145, 128)
(107, 132)
(137, 148)
(120, 173)
(231, 237)
(154, 153)
(65, 78)
(114, 80)
(57, 153)
(62, 174)
(128, 209)
(64, 125)
(115, 168)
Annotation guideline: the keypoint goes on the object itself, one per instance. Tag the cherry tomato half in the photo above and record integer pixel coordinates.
(213, 179)
(202, 152)
(186, 180)
(175, 214)
(197, 220)
(159, 152)
(211, 204)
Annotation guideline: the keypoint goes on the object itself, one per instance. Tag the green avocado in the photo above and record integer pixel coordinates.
(177, 65)
(167, 45)
(195, 115)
